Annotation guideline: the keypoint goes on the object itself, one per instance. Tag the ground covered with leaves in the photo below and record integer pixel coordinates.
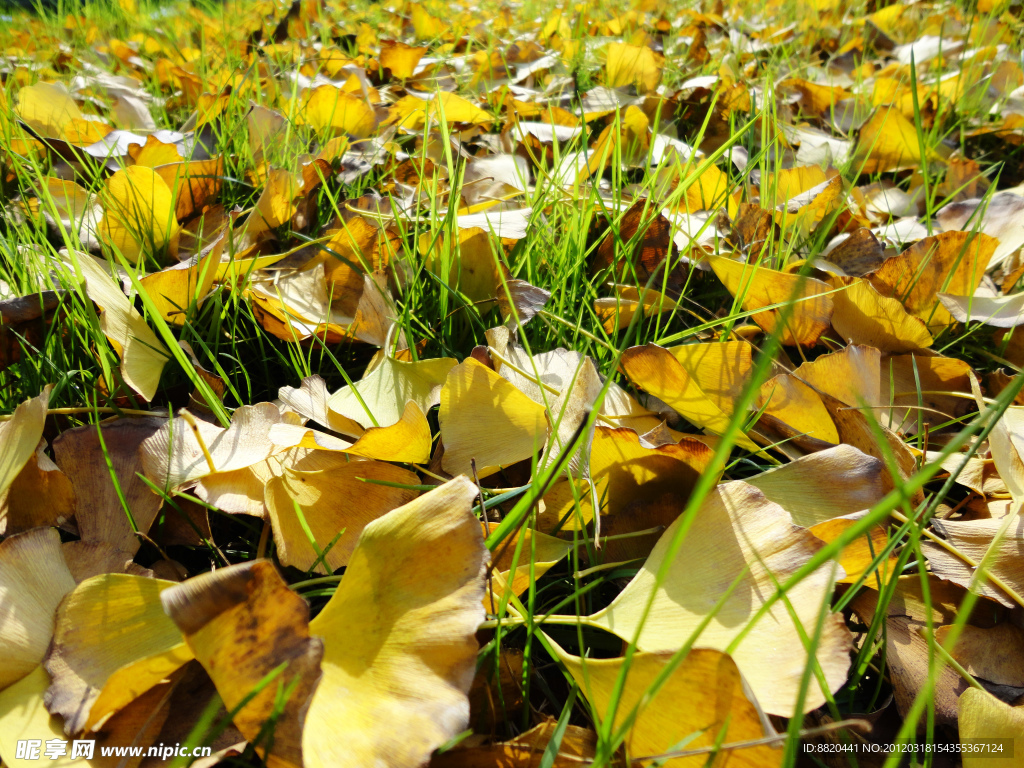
(513, 384)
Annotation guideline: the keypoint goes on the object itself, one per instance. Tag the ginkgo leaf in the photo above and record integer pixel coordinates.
(704, 701)
(617, 312)
(311, 401)
(173, 457)
(888, 142)
(635, 65)
(626, 472)
(333, 498)
(484, 417)
(755, 287)
(981, 716)
(795, 404)
(138, 217)
(112, 643)
(738, 533)
(33, 580)
(400, 58)
(863, 316)
(408, 440)
(20, 435)
(143, 355)
(998, 311)
(721, 370)
(174, 289)
(330, 109)
(831, 483)
(411, 113)
(657, 371)
(973, 539)
(852, 375)
(379, 399)
(89, 455)
(40, 495)
(951, 262)
(399, 644)
(241, 623)
(538, 554)
(993, 653)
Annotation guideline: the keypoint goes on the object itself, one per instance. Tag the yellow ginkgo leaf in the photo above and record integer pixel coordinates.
(380, 398)
(408, 440)
(973, 538)
(537, 553)
(138, 216)
(112, 643)
(852, 375)
(864, 316)
(400, 58)
(311, 401)
(626, 472)
(655, 370)
(635, 65)
(193, 184)
(738, 533)
(20, 435)
(411, 113)
(399, 636)
(33, 580)
(484, 417)
(950, 262)
(426, 26)
(820, 486)
(703, 702)
(887, 142)
(984, 717)
(333, 498)
(174, 457)
(49, 110)
(242, 623)
(793, 403)
(755, 287)
(143, 355)
(177, 287)
(617, 312)
(720, 369)
(329, 109)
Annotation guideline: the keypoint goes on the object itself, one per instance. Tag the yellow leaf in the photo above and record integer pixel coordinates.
(758, 287)
(539, 552)
(407, 441)
(702, 703)
(380, 398)
(20, 435)
(399, 636)
(983, 716)
(334, 495)
(242, 622)
(635, 65)
(654, 369)
(48, 109)
(400, 58)
(329, 109)
(138, 216)
(863, 316)
(951, 262)
(484, 417)
(174, 289)
(798, 406)
(625, 473)
(143, 355)
(738, 531)
(887, 142)
(111, 644)
(33, 580)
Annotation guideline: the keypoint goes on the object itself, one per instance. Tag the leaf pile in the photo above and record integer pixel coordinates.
(463, 385)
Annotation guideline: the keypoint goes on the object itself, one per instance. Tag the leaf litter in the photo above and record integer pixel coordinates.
(502, 385)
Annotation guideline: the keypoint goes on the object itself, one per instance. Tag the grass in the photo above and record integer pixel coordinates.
(556, 254)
